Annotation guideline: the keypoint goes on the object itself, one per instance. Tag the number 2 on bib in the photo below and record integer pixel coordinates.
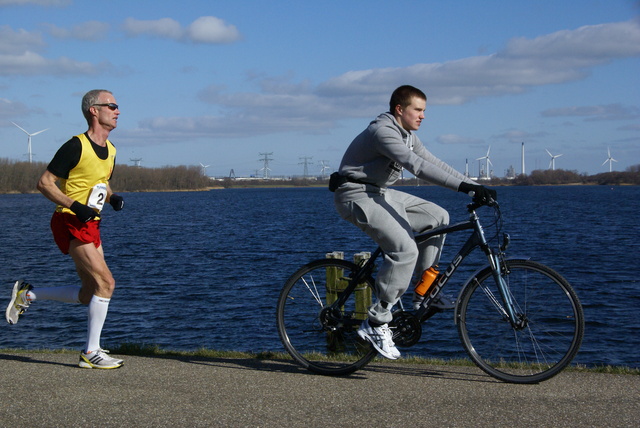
(98, 196)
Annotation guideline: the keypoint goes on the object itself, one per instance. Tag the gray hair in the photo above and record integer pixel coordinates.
(90, 99)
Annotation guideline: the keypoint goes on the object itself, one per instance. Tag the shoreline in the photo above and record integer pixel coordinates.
(297, 186)
(150, 351)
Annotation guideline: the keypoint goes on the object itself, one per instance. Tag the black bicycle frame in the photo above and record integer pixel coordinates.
(477, 239)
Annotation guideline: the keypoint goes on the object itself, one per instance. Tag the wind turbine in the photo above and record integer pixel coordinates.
(323, 168)
(29, 139)
(487, 163)
(552, 164)
(609, 159)
(204, 168)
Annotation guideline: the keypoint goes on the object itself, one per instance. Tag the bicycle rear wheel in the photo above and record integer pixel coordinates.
(318, 336)
(552, 323)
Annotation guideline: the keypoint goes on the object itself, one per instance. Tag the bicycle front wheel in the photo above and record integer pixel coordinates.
(322, 337)
(550, 323)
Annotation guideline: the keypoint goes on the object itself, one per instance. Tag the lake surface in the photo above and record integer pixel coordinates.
(204, 269)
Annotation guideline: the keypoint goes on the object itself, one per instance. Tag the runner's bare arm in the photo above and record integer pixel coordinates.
(48, 187)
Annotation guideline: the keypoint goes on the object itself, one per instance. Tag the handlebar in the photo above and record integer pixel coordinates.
(477, 204)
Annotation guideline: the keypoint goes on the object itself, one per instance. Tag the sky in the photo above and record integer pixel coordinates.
(228, 84)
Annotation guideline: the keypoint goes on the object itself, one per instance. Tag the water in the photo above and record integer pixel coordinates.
(204, 269)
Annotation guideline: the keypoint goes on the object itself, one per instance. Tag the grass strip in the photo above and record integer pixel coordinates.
(150, 350)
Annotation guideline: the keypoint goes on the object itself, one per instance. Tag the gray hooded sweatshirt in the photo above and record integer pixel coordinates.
(379, 153)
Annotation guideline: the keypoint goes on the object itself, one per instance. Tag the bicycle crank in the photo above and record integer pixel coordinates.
(406, 328)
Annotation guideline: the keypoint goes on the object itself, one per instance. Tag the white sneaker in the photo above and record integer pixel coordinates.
(98, 359)
(381, 338)
(19, 302)
(441, 302)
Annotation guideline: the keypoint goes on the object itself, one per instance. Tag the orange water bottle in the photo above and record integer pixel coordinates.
(428, 278)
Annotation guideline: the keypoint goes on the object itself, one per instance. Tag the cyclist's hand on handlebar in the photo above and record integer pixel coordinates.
(479, 193)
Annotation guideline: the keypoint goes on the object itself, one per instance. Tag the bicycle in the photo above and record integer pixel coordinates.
(518, 320)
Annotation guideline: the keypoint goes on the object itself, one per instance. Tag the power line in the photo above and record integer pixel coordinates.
(305, 161)
(266, 160)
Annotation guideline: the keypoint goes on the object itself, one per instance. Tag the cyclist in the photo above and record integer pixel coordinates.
(373, 162)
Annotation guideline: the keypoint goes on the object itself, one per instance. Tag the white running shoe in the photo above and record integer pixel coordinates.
(442, 302)
(98, 359)
(19, 302)
(381, 338)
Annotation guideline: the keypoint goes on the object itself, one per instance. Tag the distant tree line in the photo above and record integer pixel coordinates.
(562, 176)
(559, 177)
(131, 178)
(22, 177)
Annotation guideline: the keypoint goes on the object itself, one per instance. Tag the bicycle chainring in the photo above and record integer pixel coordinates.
(406, 328)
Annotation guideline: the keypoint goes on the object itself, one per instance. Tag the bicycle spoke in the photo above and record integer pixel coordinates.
(319, 334)
(313, 292)
(547, 331)
(493, 299)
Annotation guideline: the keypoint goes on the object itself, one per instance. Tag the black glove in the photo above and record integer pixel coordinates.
(481, 194)
(83, 212)
(116, 201)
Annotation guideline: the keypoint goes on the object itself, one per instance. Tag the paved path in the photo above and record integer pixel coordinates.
(48, 390)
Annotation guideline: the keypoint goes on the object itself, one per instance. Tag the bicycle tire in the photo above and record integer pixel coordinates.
(324, 341)
(550, 337)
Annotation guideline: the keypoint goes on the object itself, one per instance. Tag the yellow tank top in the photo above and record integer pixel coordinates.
(87, 182)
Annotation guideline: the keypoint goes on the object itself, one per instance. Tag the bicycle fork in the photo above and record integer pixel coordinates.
(498, 268)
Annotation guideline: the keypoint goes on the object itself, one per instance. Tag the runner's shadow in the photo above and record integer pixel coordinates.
(32, 360)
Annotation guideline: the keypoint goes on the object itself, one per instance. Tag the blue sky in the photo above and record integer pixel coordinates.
(221, 82)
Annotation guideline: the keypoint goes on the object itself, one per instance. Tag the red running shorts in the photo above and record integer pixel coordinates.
(66, 227)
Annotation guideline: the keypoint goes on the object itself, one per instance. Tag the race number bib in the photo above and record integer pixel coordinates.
(98, 196)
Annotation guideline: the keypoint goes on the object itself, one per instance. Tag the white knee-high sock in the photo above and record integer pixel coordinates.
(67, 294)
(97, 314)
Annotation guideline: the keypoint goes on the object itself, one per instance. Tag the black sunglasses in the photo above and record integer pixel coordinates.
(111, 106)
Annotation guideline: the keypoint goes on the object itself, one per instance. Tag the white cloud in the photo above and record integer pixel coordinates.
(209, 29)
(90, 31)
(555, 58)
(31, 63)
(9, 109)
(206, 29)
(18, 41)
(594, 113)
(164, 28)
(584, 46)
(282, 105)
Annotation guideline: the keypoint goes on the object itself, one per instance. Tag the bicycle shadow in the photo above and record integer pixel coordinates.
(459, 373)
(255, 364)
(456, 373)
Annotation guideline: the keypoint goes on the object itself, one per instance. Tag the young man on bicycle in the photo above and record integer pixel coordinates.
(373, 162)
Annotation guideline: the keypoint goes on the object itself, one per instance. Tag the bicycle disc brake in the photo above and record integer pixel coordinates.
(406, 328)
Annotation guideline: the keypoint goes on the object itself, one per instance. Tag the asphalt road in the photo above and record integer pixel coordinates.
(49, 390)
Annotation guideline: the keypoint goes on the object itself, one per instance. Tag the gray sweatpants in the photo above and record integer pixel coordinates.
(391, 218)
